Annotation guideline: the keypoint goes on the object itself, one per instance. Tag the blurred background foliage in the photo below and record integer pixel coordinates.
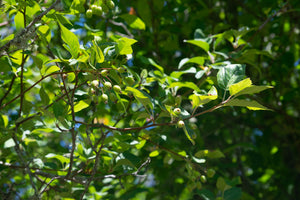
(261, 148)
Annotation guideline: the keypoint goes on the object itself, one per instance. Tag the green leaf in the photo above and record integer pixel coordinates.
(221, 184)
(123, 162)
(189, 133)
(216, 154)
(71, 40)
(80, 106)
(230, 75)
(134, 21)
(152, 62)
(200, 43)
(98, 54)
(49, 70)
(207, 194)
(124, 45)
(17, 56)
(5, 67)
(233, 193)
(141, 144)
(61, 158)
(177, 74)
(44, 96)
(58, 109)
(251, 105)
(44, 32)
(235, 88)
(5, 120)
(9, 143)
(19, 21)
(199, 99)
(7, 39)
(198, 60)
(253, 89)
(179, 85)
(140, 96)
(154, 153)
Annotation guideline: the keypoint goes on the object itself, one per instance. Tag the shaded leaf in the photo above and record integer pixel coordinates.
(189, 133)
(233, 193)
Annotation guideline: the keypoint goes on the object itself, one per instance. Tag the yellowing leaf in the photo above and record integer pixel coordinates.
(235, 88)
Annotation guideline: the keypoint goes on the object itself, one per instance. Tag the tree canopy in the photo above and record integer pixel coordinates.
(149, 99)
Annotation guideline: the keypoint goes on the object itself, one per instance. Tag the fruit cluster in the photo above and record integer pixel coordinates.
(106, 88)
(103, 7)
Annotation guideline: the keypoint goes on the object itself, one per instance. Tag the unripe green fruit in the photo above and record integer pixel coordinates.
(104, 98)
(107, 85)
(210, 173)
(178, 100)
(94, 9)
(93, 91)
(104, 72)
(89, 13)
(203, 179)
(99, 11)
(95, 83)
(105, 8)
(113, 97)
(110, 4)
(177, 111)
(117, 88)
(180, 124)
(121, 70)
(129, 80)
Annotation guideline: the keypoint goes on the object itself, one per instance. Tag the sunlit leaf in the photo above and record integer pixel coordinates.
(251, 105)
(133, 21)
(124, 45)
(179, 85)
(200, 99)
(154, 153)
(235, 88)
(9, 143)
(80, 106)
(71, 40)
(200, 43)
(230, 75)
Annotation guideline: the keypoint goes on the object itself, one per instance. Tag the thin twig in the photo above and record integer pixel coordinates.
(27, 29)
